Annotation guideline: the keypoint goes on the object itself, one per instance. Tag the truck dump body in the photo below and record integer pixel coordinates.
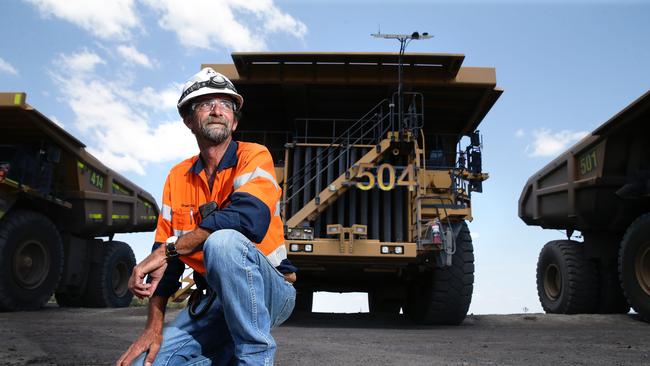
(56, 199)
(285, 90)
(44, 160)
(601, 187)
(598, 184)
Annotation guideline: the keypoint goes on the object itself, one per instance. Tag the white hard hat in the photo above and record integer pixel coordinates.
(208, 81)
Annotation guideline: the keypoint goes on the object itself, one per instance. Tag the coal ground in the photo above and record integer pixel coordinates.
(60, 336)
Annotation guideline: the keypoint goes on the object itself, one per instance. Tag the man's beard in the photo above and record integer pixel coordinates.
(216, 135)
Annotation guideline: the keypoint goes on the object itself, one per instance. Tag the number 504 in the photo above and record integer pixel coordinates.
(366, 179)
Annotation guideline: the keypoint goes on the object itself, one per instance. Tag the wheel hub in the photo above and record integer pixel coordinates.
(120, 279)
(642, 268)
(31, 264)
(552, 282)
(27, 262)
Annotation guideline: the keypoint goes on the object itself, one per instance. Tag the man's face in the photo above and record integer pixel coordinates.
(213, 118)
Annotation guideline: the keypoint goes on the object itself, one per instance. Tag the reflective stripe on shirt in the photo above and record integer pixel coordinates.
(258, 172)
(167, 212)
(276, 256)
(180, 233)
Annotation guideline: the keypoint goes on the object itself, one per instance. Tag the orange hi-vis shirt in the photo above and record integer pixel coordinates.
(246, 192)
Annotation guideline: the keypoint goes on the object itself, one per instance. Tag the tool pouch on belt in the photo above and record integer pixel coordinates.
(197, 295)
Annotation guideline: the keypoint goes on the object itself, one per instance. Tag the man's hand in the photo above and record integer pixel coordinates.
(290, 277)
(154, 265)
(150, 340)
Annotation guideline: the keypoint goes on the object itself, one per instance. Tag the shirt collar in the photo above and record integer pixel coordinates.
(228, 160)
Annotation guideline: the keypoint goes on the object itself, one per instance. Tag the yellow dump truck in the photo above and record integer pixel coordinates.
(57, 205)
(600, 187)
(376, 184)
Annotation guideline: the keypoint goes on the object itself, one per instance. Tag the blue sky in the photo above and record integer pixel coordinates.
(110, 73)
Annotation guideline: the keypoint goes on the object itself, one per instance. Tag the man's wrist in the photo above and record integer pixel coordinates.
(170, 247)
(156, 317)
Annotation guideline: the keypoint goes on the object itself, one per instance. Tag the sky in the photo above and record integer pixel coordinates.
(110, 73)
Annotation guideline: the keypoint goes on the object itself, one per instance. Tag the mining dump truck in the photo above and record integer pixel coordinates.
(56, 203)
(601, 188)
(377, 179)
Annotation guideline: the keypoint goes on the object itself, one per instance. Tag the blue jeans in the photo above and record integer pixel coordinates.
(251, 298)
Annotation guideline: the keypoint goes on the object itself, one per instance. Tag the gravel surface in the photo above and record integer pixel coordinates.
(55, 336)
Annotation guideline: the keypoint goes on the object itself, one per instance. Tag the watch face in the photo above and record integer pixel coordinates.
(170, 249)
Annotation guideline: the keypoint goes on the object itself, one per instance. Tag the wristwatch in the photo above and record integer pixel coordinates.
(170, 247)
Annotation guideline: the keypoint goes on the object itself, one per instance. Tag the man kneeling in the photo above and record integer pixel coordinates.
(220, 217)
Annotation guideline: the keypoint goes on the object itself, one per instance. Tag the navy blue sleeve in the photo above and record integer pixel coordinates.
(286, 267)
(169, 283)
(246, 214)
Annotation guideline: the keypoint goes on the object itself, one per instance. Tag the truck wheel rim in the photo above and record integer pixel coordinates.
(31, 264)
(120, 279)
(642, 268)
(552, 282)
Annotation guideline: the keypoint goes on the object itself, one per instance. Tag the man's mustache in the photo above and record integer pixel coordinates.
(215, 119)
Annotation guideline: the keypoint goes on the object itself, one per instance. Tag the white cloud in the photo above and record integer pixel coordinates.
(548, 143)
(132, 55)
(274, 19)
(133, 144)
(114, 116)
(158, 100)
(82, 62)
(240, 25)
(105, 19)
(224, 24)
(7, 68)
(520, 133)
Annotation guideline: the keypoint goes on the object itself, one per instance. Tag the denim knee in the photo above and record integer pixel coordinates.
(223, 247)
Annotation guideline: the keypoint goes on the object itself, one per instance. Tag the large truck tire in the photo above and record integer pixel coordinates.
(612, 299)
(634, 265)
(304, 300)
(31, 260)
(443, 296)
(380, 304)
(567, 281)
(108, 280)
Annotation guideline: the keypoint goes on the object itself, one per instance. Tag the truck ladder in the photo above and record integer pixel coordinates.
(336, 188)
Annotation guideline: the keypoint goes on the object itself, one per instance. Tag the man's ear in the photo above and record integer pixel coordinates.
(187, 120)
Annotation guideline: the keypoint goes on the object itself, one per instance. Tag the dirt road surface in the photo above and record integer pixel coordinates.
(55, 336)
